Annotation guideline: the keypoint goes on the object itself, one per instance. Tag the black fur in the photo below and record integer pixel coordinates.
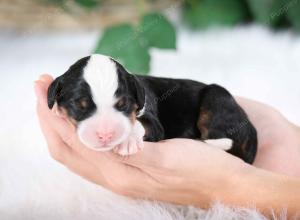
(228, 120)
(69, 89)
(174, 108)
(130, 89)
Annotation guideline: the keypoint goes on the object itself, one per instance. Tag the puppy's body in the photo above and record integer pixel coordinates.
(175, 103)
(115, 109)
(190, 109)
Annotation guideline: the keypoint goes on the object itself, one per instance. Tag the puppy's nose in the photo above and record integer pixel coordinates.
(105, 137)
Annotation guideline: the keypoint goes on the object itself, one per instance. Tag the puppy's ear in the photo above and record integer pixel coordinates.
(54, 91)
(138, 90)
(134, 85)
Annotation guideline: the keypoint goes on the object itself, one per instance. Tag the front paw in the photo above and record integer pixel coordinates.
(134, 142)
(130, 146)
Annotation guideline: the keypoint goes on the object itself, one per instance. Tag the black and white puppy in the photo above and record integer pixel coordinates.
(115, 109)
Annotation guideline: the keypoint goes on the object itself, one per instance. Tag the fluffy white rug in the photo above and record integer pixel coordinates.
(249, 61)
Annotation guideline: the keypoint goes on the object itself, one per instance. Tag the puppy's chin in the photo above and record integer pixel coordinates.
(97, 146)
(86, 132)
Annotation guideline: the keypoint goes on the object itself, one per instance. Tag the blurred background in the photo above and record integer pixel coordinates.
(252, 47)
(127, 30)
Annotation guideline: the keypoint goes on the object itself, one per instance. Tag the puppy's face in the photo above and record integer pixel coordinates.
(101, 97)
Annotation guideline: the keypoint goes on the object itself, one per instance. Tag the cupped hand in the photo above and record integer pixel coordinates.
(169, 170)
(278, 139)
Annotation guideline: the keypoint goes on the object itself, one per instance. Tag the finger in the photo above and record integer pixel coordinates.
(46, 78)
(47, 117)
(154, 155)
(40, 88)
(169, 155)
(65, 155)
(65, 129)
(57, 148)
(85, 169)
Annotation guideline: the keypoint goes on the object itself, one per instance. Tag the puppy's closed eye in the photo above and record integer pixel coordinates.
(121, 105)
(126, 104)
(82, 103)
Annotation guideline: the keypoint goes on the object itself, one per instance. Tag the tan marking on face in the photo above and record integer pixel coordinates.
(133, 114)
(146, 126)
(83, 103)
(67, 117)
(202, 123)
(120, 102)
(72, 121)
(62, 113)
(132, 117)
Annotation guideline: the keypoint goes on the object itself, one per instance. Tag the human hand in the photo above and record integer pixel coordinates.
(157, 172)
(165, 171)
(278, 139)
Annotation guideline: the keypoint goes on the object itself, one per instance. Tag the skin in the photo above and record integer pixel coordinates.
(187, 171)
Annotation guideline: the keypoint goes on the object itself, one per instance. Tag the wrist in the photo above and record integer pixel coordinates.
(224, 187)
(237, 182)
(266, 191)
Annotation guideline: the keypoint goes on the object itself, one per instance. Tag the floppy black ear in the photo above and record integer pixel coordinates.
(54, 91)
(138, 90)
(134, 85)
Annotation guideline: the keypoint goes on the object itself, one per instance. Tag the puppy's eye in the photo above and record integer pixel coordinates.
(121, 104)
(82, 103)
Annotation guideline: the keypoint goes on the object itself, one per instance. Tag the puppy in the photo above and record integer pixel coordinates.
(113, 109)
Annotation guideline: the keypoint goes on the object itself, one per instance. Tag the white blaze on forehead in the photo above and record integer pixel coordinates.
(101, 75)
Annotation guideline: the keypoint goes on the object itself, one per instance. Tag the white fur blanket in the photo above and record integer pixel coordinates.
(249, 61)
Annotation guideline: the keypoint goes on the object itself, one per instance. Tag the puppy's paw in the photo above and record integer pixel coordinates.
(133, 143)
(130, 146)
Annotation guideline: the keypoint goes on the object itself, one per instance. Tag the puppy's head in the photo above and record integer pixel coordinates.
(101, 97)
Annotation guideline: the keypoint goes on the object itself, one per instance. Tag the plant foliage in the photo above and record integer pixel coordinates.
(199, 14)
(205, 13)
(130, 45)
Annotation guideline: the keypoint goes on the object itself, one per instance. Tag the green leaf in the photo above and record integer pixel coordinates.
(157, 31)
(130, 46)
(89, 4)
(204, 13)
(293, 13)
(267, 11)
(123, 44)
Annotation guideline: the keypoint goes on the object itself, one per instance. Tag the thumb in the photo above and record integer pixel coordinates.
(46, 78)
(41, 86)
